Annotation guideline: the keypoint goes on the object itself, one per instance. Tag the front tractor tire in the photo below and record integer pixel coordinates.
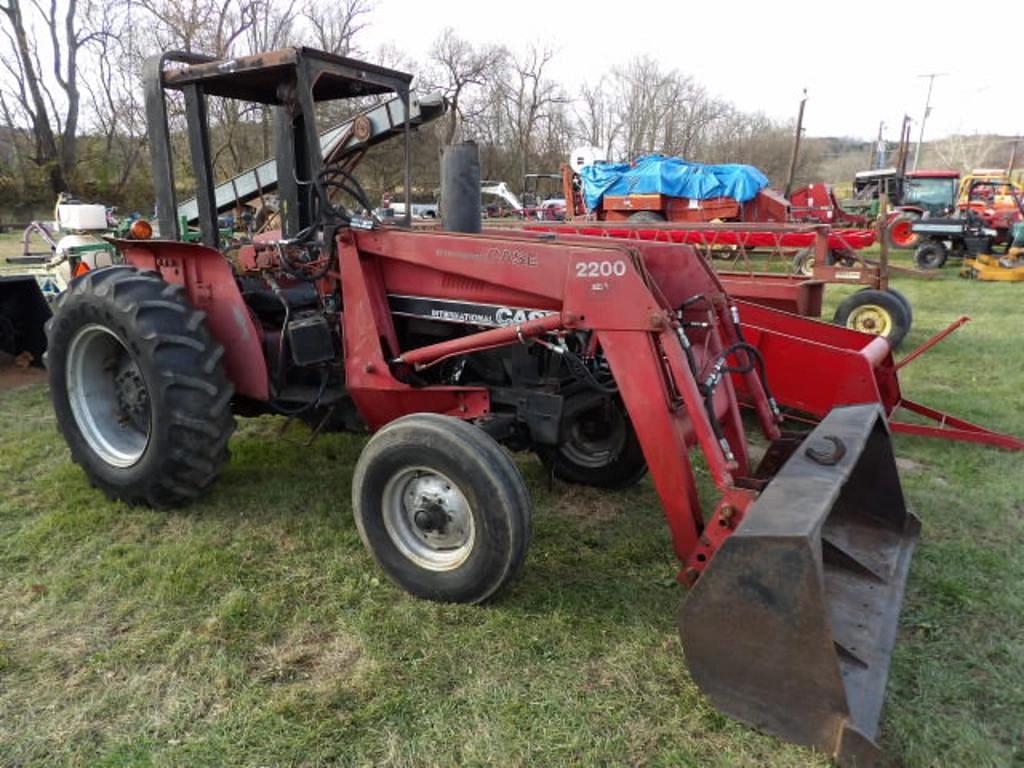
(442, 508)
(138, 387)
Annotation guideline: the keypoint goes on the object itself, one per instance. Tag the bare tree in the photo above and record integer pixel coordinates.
(528, 99)
(964, 152)
(596, 122)
(336, 24)
(49, 98)
(458, 66)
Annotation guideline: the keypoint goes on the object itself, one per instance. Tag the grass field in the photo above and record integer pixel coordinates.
(252, 629)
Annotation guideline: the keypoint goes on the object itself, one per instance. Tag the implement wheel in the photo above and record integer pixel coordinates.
(901, 232)
(876, 312)
(652, 217)
(442, 508)
(138, 387)
(598, 445)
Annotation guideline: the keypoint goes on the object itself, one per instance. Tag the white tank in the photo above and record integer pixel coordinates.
(586, 155)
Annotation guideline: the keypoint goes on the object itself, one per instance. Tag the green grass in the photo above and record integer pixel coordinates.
(252, 628)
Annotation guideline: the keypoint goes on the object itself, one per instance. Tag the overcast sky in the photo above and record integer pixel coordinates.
(859, 59)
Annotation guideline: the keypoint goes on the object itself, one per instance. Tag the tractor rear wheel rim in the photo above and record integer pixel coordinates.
(903, 233)
(596, 437)
(871, 318)
(428, 518)
(108, 396)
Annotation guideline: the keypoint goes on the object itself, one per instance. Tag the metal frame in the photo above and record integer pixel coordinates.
(290, 79)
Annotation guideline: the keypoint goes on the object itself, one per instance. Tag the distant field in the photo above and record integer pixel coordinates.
(252, 629)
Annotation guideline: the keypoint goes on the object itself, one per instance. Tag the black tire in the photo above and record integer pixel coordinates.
(931, 255)
(877, 312)
(803, 262)
(906, 305)
(898, 224)
(420, 459)
(127, 337)
(844, 257)
(598, 446)
(652, 217)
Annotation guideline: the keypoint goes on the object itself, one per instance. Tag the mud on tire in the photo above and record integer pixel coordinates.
(138, 387)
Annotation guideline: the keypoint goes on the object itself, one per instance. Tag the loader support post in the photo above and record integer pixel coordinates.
(655, 419)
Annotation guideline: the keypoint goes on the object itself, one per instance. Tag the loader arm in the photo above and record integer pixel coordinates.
(811, 549)
(603, 289)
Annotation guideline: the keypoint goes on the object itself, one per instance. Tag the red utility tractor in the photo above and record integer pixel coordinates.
(609, 359)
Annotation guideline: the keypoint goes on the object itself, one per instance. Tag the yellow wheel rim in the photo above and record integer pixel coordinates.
(870, 318)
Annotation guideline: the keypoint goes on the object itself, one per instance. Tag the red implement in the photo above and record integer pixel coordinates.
(814, 367)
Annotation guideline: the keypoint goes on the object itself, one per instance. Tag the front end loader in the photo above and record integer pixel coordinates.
(607, 359)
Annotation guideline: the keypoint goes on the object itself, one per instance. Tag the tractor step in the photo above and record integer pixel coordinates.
(817, 570)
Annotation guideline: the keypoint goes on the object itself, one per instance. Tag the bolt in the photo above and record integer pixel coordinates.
(727, 512)
(370, 368)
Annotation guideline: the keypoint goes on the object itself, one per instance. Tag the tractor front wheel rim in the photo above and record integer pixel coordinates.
(871, 318)
(108, 396)
(428, 518)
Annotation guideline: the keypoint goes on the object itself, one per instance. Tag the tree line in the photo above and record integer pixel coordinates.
(72, 118)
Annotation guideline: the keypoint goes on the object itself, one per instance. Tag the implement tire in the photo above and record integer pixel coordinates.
(875, 312)
(139, 387)
(650, 217)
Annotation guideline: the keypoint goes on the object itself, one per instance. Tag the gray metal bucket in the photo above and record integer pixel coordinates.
(792, 625)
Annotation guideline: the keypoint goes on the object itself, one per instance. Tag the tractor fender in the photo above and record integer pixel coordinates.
(210, 284)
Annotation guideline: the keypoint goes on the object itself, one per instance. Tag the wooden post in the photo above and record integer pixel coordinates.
(796, 145)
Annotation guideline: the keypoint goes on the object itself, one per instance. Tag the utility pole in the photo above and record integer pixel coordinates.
(879, 163)
(796, 145)
(927, 110)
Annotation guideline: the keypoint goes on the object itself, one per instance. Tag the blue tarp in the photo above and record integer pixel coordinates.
(655, 174)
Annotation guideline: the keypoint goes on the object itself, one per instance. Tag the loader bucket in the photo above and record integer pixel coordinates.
(791, 626)
(23, 315)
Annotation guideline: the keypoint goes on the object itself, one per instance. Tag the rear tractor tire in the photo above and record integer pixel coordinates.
(598, 446)
(900, 232)
(881, 313)
(442, 508)
(138, 387)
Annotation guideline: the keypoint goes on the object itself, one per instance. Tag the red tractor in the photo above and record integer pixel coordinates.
(608, 359)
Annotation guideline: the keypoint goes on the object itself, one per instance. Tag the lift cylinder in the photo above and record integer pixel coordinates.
(460, 188)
